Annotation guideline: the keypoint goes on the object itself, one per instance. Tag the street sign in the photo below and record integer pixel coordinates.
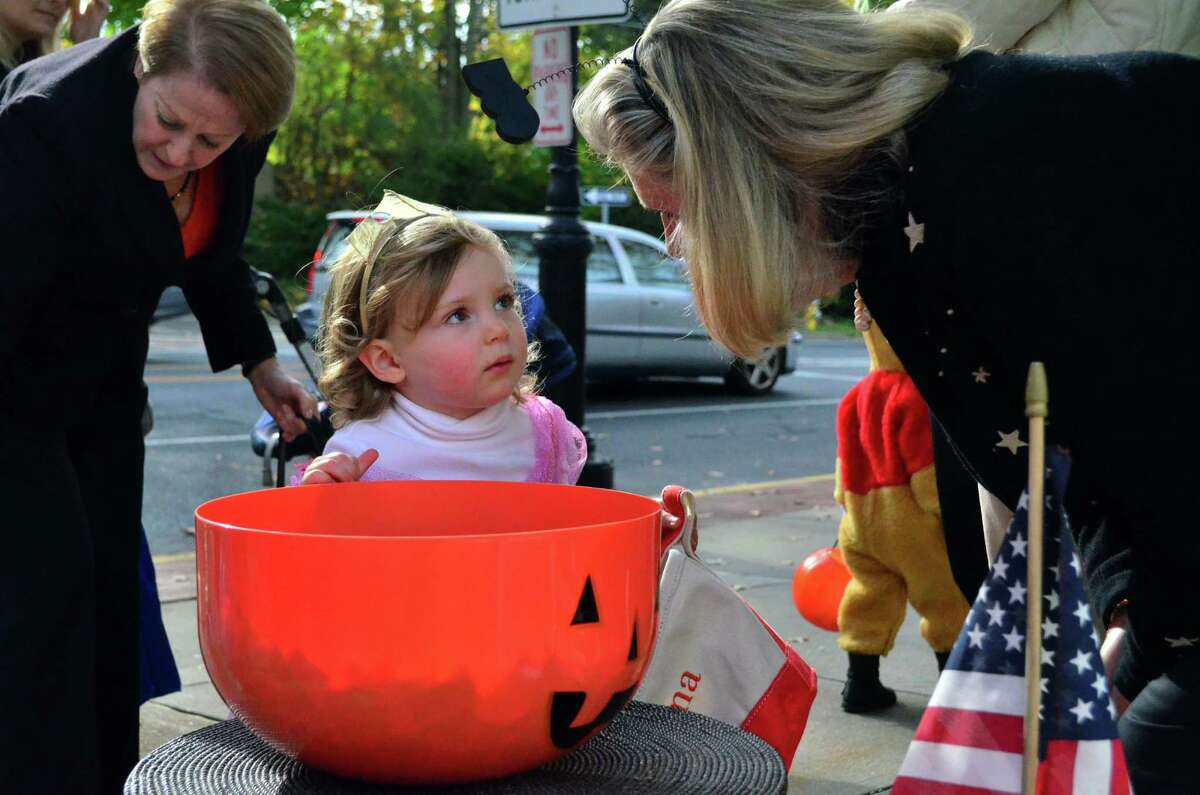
(523, 14)
(612, 197)
(552, 101)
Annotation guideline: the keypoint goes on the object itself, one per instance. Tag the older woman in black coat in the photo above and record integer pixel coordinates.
(125, 165)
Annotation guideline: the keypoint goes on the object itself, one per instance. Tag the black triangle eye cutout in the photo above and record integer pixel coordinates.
(633, 655)
(586, 612)
(502, 100)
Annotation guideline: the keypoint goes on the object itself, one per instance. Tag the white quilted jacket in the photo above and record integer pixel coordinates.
(1077, 27)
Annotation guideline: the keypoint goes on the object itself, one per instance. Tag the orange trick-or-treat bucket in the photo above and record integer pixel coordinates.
(818, 585)
(427, 631)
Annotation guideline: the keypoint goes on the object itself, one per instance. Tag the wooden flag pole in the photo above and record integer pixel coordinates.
(1036, 398)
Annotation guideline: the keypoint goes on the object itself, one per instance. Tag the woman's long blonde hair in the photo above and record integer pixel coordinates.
(411, 262)
(13, 51)
(773, 104)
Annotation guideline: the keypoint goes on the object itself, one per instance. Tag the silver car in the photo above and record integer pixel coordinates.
(640, 317)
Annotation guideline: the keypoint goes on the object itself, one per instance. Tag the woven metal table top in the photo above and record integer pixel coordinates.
(645, 749)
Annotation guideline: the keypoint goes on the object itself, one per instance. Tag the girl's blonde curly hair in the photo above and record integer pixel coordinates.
(408, 267)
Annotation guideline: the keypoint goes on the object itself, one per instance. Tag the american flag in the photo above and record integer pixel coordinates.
(970, 739)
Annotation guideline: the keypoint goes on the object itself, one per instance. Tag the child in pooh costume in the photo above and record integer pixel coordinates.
(891, 534)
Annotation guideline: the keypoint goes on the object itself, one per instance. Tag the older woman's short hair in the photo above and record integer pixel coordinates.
(242, 48)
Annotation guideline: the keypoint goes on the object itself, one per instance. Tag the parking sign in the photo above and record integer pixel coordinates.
(552, 101)
(523, 14)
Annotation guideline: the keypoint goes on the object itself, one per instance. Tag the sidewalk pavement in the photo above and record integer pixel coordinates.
(754, 536)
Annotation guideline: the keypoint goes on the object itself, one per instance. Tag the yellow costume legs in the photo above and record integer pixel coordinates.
(896, 553)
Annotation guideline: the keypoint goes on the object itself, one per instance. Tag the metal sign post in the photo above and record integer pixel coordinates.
(563, 246)
(524, 14)
(605, 198)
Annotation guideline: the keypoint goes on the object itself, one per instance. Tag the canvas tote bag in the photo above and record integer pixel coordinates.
(715, 654)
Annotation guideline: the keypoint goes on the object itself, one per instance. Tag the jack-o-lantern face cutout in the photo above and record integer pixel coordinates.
(587, 612)
(566, 706)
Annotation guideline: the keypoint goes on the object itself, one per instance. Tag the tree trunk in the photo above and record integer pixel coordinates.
(452, 85)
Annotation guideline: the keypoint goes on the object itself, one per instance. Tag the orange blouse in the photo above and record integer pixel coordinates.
(200, 227)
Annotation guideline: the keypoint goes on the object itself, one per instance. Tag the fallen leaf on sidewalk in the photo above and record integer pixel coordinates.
(756, 513)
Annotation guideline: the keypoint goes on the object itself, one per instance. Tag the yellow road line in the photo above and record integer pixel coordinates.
(191, 379)
(174, 558)
(200, 378)
(742, 488)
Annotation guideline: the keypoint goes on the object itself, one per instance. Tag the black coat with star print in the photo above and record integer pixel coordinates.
(1045, 212)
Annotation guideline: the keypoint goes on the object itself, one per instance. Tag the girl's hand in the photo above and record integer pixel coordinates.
(338, 467)
(86, 24)
(283, 396)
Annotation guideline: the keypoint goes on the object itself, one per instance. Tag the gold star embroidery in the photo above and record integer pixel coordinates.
(981, 376)
(1182, 643)
(915, 233)
(1011, 441)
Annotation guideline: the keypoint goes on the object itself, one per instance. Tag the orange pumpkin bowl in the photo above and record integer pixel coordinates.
(427, 632)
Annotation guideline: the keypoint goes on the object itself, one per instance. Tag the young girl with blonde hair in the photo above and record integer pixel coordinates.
(425, 354)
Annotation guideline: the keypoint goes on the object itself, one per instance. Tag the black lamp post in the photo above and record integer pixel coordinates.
(563, 245)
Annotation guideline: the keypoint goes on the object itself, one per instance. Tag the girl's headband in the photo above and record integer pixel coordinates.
(373, 233)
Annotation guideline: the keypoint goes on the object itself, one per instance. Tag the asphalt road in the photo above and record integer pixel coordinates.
(657, 432)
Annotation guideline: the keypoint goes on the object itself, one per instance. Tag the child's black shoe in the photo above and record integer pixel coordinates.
(863, 691)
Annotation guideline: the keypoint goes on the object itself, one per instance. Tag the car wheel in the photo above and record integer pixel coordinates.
(755, 377)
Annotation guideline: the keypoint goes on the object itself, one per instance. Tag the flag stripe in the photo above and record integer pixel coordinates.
(958, 764)
(912, 786)
(1093, 766)
(984, 730)
(1120, 784)
(998, 693)
(1057, 770)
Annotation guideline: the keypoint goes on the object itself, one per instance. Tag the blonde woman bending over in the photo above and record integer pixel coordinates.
(994, 210)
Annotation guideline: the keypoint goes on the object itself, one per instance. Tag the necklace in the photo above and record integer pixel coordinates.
(186, 181)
